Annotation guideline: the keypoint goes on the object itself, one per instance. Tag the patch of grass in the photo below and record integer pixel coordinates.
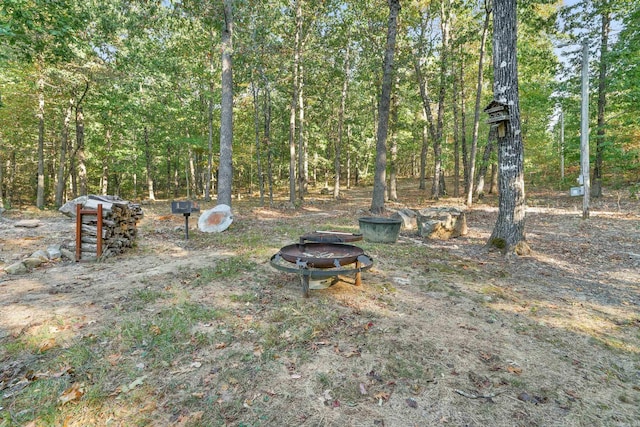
(250, 297)
(147, 296)
(224, 269)
(165, 335)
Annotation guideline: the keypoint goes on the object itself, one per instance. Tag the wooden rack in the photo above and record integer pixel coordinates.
(79, 212)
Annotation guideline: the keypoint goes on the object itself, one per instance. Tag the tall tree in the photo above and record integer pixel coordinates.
(508, 233)
(379, 181)
(476, 115)
(225, 175)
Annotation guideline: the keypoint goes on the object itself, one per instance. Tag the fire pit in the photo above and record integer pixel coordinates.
(321, 262)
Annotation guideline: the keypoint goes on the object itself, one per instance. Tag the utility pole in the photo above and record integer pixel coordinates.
(584, 131)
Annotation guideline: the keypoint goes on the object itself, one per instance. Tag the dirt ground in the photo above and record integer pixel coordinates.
(439, 333)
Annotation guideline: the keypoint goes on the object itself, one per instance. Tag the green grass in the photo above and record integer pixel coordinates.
(229, 268)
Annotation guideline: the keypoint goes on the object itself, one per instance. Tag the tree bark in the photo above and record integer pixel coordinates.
(64, 143)
(508, 233)
(105, 163)
(82, 166)
(482, 171)
(476, 113)
(596, 185)
(40, 189)
(294, 104)
(255, 91)
(393, 151)
(437, 189)
(338, 144)
(149, 164)
(463, 127)
(377, 200)
(225, 174)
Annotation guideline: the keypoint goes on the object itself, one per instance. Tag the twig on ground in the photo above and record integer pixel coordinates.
(476, 396)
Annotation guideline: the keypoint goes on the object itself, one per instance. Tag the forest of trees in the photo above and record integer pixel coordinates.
(126, 97)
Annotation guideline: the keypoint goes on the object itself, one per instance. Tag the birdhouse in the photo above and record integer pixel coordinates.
(498, 116)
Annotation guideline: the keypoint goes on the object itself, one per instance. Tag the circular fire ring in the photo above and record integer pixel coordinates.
(321, 255)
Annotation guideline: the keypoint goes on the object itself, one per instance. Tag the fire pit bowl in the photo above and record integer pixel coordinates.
(321, 255)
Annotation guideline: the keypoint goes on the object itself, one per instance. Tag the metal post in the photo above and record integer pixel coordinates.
(186, 226)
(584, 131)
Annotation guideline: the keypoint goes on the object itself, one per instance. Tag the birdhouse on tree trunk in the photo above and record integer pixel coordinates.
(498, 116)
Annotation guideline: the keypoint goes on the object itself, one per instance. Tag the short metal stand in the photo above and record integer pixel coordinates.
(185, 208)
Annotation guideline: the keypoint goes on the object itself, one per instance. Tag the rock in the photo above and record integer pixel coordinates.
(27, 223)
(54, 252)
(409, 218)
(69, 208)
(442, 223)
(17, 268)
(66, 253)
(33, 262)
(43, 255)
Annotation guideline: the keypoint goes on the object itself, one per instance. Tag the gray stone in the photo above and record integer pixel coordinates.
(408, 217)
(43, 255)
(69, 208)
(17, 268)
(32, 262)
(66, 253)
(27, 223)
(54, 252)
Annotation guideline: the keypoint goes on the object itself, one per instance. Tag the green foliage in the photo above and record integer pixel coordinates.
(152, 71)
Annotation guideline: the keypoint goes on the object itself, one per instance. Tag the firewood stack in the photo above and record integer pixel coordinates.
(119, 225)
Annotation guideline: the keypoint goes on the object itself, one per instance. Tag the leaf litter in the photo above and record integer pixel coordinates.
(462, 327)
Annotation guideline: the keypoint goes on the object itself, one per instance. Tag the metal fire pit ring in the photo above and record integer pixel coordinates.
(321, 255)
(362, 263)
(330, 237)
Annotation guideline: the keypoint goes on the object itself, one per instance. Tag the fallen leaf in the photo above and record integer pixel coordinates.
(335, 404)
(72, 394)
(382, 395)
(514, 370)
(155, 330)
(221, 345)
(47, 344)
(113, 359)
(295, 376)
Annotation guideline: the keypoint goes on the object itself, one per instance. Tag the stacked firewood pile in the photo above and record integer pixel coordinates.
(119, 225)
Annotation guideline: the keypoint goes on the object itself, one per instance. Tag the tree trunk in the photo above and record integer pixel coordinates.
(456, 138)
(225, 174)
(208, 178)
(105, 163)
(596, 185)
(303, 161)
(82, 166)
(476, 112)
(40, 189)
(255, 90)
(338, 144)
(508, 233)
(393, 151)
(423, 156)
(482, 171)
(149, 164)
(64, 143)
(436, 188)
(493, 189)
(377, 200)
(463, 128)
(267, 138)
(294, 104)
